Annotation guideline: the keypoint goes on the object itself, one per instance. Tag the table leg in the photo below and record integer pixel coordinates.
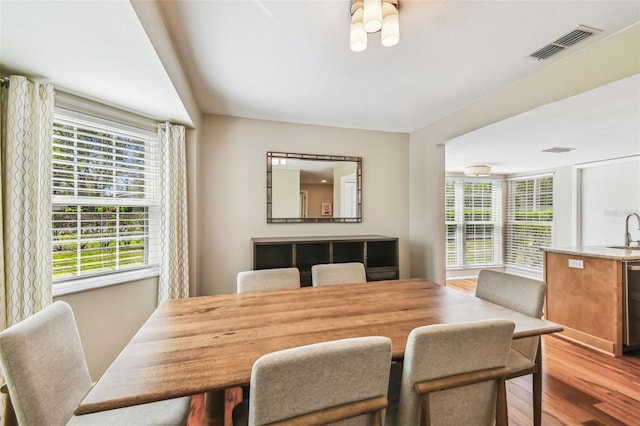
(537, 388)
(214, 408)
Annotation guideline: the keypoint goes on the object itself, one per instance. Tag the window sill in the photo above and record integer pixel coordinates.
(92, 283)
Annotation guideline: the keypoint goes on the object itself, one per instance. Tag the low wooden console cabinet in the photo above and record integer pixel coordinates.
(378, 253)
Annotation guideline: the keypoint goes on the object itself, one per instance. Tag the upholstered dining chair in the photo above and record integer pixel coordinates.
(342, 380)
(453, 374)
(47, 376)
(525, 295)
(338, 273)
(268, 279)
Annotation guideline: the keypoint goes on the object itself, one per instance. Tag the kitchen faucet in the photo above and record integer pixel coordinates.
(627, 235)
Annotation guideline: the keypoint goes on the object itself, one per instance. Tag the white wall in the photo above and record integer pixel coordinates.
(564, 208)
(609, 192)
(598, 64)
(340, 173)
(232, 197)
(152, 19)
(285, 195)
(592, 208)
(427, 205)
(109, 317)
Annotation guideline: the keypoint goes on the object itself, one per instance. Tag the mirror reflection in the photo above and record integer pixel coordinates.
(313, 188)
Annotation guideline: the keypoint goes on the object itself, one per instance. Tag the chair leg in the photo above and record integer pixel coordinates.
(537, 388)
(377, 418)
(425, 417)
(9, 414)
(502, 416)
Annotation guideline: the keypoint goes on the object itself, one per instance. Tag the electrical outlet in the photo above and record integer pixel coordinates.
(575, 263)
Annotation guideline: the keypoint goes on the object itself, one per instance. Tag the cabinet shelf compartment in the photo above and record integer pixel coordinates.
(381, 254)
(273, 256)
(352, 251)
(309, 254)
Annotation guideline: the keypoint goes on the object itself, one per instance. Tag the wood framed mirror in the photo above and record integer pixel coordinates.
(310, 188)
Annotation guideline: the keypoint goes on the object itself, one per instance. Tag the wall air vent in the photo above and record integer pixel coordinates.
(567, 40)
(558, 149)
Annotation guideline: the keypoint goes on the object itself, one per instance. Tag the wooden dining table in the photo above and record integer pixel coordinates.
(208, 344)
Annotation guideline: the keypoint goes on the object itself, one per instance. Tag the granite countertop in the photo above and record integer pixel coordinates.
(597, 251)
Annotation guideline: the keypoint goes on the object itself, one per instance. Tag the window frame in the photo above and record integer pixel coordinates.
(534, 206)
(461, 221)
(75, 108)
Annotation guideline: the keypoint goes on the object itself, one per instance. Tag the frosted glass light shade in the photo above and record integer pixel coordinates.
(481, 170)
(358, 35)
(372, 15)
(390, 25)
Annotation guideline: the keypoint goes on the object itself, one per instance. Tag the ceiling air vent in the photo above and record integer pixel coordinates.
(564, 42)
(558, 149)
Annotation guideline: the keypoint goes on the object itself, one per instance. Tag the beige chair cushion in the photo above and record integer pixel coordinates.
(47, 376)
(309, 378)
(525, 295)
(518, 362)
(162, 413)
(268, 279)
(338, 273)
(444, 350)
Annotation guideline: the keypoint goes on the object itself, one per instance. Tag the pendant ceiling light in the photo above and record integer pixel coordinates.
(370, 16)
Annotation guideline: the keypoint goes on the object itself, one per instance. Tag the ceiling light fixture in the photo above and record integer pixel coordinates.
(370, 16)
(480, 170)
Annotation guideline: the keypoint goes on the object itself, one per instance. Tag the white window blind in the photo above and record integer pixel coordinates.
(105, 202)
(529, 222)
(473, 220)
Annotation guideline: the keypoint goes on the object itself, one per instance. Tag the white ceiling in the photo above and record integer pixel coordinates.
(96, 49)
(290, 60)
(601, 124)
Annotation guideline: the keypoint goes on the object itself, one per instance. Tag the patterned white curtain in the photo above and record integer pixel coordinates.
(26, 120)
(25, 155)
(174, 258)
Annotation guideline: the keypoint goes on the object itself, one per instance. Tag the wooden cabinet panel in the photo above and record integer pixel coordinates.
(588, 301)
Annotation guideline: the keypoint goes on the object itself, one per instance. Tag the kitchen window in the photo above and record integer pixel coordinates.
(473, 220)
(529, 222)
(105, 210)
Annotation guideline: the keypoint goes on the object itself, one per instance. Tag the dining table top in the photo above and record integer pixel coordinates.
(210, 343)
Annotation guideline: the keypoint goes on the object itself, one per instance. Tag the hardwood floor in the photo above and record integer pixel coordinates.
(581, 386)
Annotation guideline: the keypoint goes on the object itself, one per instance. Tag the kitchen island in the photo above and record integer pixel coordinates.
(586, 294)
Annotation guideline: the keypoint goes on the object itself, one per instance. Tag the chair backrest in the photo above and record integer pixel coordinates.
(44, 366)
(295, 382)
(338, 273)
(525, 295)
(268, 279)
(438, 351)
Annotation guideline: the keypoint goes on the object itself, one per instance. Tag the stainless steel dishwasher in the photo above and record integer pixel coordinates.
(631, 327)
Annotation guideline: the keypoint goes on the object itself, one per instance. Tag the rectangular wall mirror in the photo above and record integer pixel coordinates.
(307, 188)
